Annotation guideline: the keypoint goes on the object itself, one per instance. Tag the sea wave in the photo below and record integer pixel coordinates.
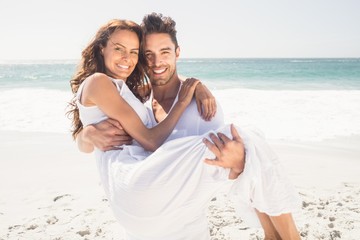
(286, 114)
(294, 115)
(34, 110)
(38, 61)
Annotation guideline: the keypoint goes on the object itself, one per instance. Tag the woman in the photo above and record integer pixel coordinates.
(158, 197)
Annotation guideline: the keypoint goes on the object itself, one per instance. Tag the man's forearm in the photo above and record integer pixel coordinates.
(234, 174)
(83, 144)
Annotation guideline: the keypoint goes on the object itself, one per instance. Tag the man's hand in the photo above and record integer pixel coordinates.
(230, 153)
(106, 135)
(205, 102)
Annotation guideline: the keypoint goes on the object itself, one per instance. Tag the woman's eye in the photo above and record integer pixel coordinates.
(119, 50)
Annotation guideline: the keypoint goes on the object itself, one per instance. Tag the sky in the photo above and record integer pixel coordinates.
(60, 29)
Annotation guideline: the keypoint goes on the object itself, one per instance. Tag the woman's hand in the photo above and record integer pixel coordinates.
(187, 90)
(205, 101)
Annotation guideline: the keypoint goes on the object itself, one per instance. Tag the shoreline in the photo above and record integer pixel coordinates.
(52, 191)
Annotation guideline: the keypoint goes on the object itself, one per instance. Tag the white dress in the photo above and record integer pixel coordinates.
(164, 195)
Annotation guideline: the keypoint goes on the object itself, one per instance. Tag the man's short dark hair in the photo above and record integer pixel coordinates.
(157, 23)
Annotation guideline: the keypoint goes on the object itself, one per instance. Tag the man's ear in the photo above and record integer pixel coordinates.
(177, 52)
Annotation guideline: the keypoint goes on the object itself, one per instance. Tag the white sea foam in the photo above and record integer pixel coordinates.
(34, 110)
(293, 115)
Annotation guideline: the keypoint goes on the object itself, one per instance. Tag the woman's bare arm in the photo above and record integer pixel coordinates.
(100, 90)
(82, 142)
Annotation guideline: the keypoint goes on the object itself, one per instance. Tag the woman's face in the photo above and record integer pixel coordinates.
(121, 54)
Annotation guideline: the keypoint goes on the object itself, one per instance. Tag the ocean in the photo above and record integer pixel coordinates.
(287, 99)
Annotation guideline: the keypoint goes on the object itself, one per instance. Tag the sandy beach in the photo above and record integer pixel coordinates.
(49, 190)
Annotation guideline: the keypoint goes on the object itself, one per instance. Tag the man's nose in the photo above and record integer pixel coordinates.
(157, 60)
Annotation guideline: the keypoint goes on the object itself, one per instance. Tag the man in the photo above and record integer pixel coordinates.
(162, 51)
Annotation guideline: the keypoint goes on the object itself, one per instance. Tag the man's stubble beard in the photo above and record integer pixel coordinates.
(162, 82)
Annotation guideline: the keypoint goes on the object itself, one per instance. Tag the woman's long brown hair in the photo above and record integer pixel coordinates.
(92, 61)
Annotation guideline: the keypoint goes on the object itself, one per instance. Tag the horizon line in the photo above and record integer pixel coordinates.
(77, 59)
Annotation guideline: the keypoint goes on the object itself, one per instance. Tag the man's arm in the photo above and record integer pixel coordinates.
(82, 142)
(230, 153)
(105, 135)
(205, 101)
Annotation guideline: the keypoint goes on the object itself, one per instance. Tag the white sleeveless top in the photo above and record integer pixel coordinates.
(93, 114)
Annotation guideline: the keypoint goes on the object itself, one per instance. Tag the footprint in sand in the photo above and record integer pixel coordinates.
(11, 228)
(52, 220)
(335, 234)
(61, 196)
(99, 232)
(84, 232)
(32, 227)
(304, 233)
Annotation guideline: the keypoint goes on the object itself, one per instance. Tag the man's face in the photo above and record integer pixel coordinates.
(161, 57)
